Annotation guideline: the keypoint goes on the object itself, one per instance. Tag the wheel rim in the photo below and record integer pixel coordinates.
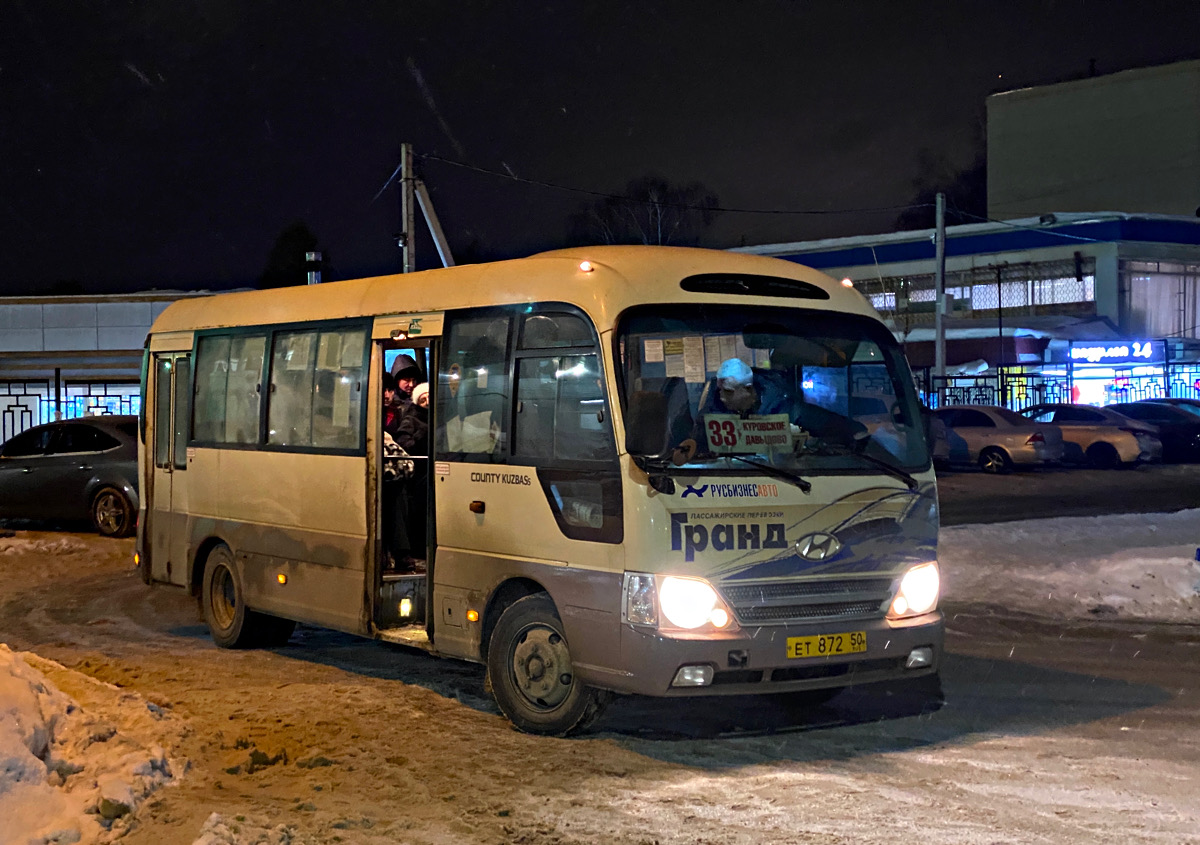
(109, 511)
(992, 462)
(541, 667)
(222, 598)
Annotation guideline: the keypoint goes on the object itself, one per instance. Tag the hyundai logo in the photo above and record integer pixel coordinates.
(819, 546)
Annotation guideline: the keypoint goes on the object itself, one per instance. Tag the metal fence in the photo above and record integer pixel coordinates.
(24, 404)
(1019, 386)
(1015, 387)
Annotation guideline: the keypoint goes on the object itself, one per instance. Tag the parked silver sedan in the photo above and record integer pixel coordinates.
(1100, 437)
(996, 439)
(76, 469)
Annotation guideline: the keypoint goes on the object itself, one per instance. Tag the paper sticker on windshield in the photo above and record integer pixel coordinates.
(730, 434)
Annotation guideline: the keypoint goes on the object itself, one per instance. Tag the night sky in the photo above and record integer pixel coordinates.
(167, 144)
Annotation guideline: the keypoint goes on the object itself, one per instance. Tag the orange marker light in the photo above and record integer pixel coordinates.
(281, 578)
(472, 615)
(846, 283)
(586, 267)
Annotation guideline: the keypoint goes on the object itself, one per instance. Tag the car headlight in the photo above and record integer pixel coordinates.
(671, 602)
(918, 592)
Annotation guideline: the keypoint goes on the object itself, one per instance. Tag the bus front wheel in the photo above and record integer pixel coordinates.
(531, 674)
(223, 600)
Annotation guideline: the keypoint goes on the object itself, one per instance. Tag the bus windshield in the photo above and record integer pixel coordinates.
(800, 390)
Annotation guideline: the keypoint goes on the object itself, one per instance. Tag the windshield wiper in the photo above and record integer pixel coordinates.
(804, 486)
(893, 471)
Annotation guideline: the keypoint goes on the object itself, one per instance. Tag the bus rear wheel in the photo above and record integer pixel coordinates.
(531, 674)
(223, 600)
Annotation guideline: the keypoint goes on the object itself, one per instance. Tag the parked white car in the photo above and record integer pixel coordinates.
(1100, 437)
(996, 439)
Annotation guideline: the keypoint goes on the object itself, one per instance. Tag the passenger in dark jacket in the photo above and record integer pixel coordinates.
(413, 438)
(413, 427)
(391, 410)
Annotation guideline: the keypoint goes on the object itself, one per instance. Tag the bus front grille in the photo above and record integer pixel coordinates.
(780, 603)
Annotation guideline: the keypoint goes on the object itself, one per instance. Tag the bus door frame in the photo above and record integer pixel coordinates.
(410, 331)
(168, 540)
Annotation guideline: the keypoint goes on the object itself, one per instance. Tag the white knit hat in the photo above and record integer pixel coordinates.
(737, 371)
(420, 390)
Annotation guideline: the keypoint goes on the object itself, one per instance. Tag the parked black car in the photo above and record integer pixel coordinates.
(76, 469)
(1192, 405)
(1178, 429)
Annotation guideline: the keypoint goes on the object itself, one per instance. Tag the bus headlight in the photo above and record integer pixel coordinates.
(918, 592)
(673, 602)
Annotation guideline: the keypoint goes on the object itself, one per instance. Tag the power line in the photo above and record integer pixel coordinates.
(1028, 228)
(511, 178)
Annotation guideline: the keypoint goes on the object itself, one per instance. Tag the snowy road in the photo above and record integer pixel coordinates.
(1063, 723)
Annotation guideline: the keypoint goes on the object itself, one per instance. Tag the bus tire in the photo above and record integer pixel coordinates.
(531, 674)
(112, 513)
(223, 600)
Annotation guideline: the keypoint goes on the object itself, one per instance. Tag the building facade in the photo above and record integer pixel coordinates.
(69, 356)
(1037, 309)
(1127, 141)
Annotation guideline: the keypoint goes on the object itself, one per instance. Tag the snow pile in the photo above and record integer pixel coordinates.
(21, 544)
(1122, 566)
(220, 830)
(65, 775)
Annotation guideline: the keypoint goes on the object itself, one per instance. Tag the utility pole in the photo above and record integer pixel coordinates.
(939, 275)
(413, 193)
(408, 228)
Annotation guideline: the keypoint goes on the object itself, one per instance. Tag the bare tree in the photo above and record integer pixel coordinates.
(286, 264)
(651, 211)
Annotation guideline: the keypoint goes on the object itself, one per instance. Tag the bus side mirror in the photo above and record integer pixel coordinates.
(646, 424)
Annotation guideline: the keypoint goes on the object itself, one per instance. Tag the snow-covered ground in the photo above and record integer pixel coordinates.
(1121, 566)
(69, 773)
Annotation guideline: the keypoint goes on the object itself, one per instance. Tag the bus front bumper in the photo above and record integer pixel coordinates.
(757, 660)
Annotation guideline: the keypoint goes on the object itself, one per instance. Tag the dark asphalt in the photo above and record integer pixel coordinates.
(974, 496)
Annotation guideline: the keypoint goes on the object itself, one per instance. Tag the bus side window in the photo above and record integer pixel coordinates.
(316, 392)
(473, 394)
(563, 427)
(562, 414)
(229, 388)
(212, 378)
(183, 380)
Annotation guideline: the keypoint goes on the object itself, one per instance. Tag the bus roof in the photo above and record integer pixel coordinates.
(621, 276)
